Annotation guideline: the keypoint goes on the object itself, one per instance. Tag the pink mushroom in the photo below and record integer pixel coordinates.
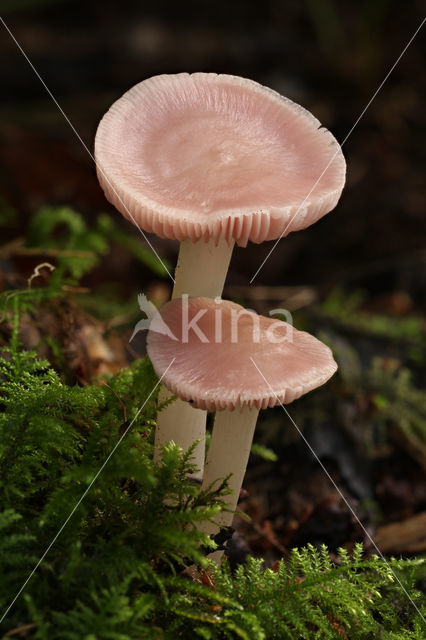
(232, 361)
(211, 160)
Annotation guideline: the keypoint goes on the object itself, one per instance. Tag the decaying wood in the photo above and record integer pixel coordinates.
(408, 536)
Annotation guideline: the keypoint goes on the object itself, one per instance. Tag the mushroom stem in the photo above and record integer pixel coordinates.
(183, 424)
(228, 453)
(201, 271)
(202, 267)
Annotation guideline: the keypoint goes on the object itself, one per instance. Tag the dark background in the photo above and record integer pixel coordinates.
(327, 55)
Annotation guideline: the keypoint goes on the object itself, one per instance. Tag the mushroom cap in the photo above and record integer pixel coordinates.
(221, 373)
(204, 156)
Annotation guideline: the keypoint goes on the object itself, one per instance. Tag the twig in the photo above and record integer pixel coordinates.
(16, 248)
(18, 631)
(37, 273)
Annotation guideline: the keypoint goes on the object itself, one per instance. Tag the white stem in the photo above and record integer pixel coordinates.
(183, 424)
(201, 271)
(201, 268)
(229, 452)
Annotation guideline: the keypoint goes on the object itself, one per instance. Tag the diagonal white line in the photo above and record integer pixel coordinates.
(344, 140)
(85, 146)
(340, 493)
(82, 497)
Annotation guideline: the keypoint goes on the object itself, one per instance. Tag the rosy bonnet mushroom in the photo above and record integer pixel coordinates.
(226, 359)
(211, 160)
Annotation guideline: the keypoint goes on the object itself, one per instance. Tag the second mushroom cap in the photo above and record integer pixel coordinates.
(217, 349)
